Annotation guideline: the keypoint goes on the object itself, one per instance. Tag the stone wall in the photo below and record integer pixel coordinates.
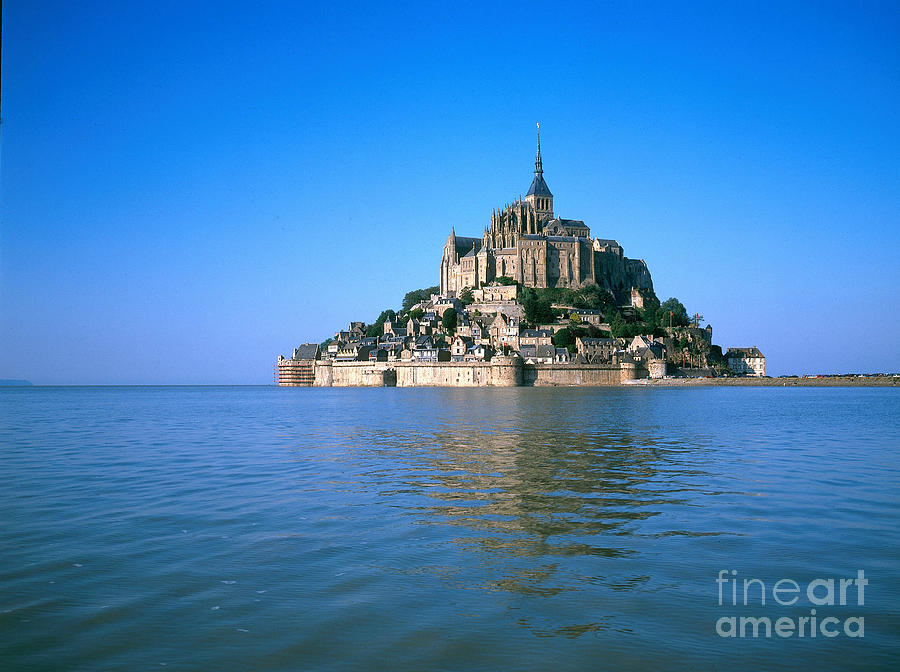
(508, 308)
(355, 374)
(587, 375)
(499, 372)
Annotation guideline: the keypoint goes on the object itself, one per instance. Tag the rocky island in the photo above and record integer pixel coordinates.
(536, 300)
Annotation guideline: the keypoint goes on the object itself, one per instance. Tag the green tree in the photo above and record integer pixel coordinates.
(649, 316)
(449, 320)
(672, 312)
(416, 314)
(324, 344)
(595, 297)
(575, 318)
(418, 295)
(505, 280)
(538, 311)
(617, 325)
(465, 296)
(563, 338)
(377, 328)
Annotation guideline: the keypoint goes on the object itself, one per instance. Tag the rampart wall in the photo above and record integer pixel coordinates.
(499, 372)
(588, 375)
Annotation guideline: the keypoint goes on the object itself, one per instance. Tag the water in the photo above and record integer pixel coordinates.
(440, 529)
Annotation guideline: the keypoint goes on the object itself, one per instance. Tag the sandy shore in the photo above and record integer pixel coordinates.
(824, 381)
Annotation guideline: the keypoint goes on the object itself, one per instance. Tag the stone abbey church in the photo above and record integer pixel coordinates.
(525, 241)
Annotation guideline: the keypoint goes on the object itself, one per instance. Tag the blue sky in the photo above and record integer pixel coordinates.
(190, 189)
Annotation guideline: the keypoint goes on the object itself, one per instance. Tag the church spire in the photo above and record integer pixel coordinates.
(539, 196)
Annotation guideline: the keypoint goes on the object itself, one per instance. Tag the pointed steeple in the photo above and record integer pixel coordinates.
(539, 196)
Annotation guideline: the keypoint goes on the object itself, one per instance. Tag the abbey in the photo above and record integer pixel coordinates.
(525, 241)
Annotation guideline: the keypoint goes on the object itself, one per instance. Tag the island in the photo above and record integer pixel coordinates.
(536, 300)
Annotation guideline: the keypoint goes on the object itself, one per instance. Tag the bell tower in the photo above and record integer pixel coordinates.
(539, 195)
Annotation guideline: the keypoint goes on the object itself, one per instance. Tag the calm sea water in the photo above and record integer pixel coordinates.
(442, 529)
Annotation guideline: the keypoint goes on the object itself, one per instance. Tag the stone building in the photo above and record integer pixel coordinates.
(527, 242)
(300, 369)
(597, 350)
(749, 361)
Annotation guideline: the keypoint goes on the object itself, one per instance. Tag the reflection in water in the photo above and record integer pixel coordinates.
(523, 480)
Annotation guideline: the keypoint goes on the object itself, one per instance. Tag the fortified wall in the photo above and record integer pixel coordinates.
(586, 375)
(499, 372)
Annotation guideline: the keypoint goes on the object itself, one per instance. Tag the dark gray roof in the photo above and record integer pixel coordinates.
(743, 352)
(307, 351)
(539, 187)
(534, 236)
(464, 245)
(546, 351)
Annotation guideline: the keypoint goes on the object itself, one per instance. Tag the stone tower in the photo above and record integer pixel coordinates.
(539, 195)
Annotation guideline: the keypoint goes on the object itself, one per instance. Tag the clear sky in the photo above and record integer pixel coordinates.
(190, 189)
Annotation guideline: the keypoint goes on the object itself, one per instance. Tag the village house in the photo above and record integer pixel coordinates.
(479, 352)
(748, 361)
(459, 347)
(442, 304)
(504, 331)
(354, 352)
(535, 337)
(538, 354)
(597, 350)
(589, 316)
(648, 354)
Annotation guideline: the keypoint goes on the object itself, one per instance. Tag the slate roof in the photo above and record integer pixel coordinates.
(546, 351)
(307, 351)
(566, 239)
(539, 187)
(598, 341)
(464, 245)
(743, 352)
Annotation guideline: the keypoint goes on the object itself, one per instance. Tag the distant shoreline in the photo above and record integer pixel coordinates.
(823, 381)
